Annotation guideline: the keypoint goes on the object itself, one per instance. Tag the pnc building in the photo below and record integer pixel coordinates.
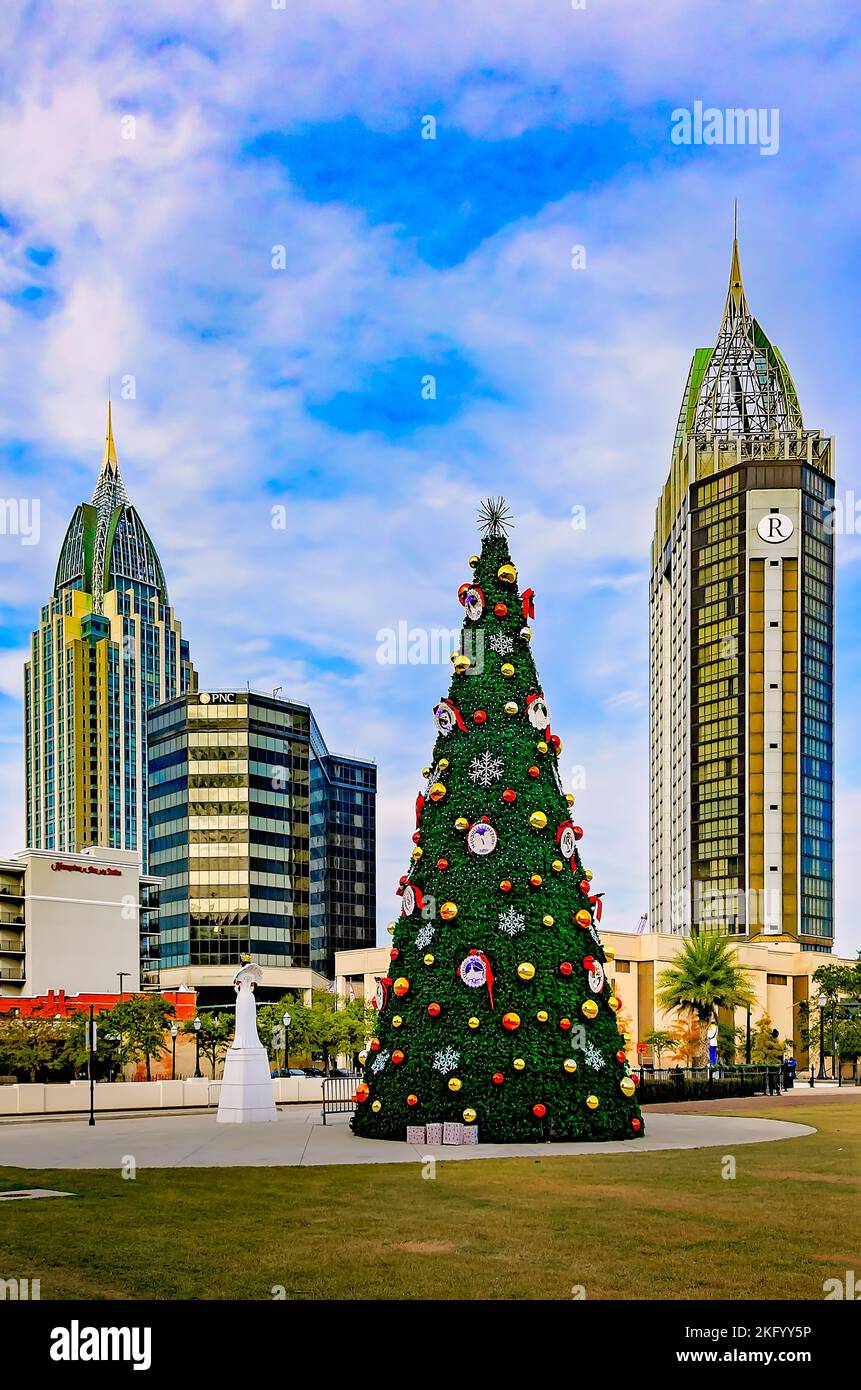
(742, 653)
(107, 648)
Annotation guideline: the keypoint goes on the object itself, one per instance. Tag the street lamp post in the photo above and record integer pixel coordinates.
(747, 1037)
(822, 1001)
(197, 1072)
(122, 975)
(287, 1021)
(173, 1032)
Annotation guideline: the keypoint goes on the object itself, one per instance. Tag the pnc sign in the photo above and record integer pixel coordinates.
(218, 697)
(775, 527)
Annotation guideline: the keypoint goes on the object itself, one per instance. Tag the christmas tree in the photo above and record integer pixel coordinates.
(496, 1012)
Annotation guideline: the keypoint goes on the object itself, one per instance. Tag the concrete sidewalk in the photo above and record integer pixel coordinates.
(298, 1139)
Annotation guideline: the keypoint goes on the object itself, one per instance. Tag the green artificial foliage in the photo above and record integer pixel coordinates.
(532, 925)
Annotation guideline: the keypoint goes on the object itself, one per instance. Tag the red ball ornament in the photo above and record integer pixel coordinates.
(635, 1078)
(500, 609)
(535, 880)
(589, 963)
(578, 832)
(584, 885)
(362, 1092)
(442, 864)
(403, 880)
(539, 1111)
(412, 1100)
(417, 834)
(433, 1010)
(509, 794)
(498, 1078)
(505, 886)
(565, 1024)
(479, 717)
(636, 1125)
(511, 1022)
(375, 1044)
(394, 953)
(555, 742)
(397, 1057)
(620, 1056)
(533, 771)
(565, 967)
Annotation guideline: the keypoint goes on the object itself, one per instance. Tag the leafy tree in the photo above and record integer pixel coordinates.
(704, 977)
(113, 1045)
(659, 1040)
(686, 1041)
(728, 1041)
(140, 1022)
(215, 1035)
(765, 1049)
(31, 1044)
(328, 1026)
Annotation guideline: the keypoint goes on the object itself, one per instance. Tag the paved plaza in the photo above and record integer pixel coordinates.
(299, 1139)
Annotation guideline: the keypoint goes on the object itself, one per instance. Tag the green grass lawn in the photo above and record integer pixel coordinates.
(639, 1225)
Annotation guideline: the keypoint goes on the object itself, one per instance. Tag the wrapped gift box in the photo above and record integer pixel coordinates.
(470, 1134)
(415, 1134)
(434, 1134)
(452, 1132)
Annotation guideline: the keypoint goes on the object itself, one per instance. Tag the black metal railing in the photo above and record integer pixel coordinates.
(659, 1084)
(339, 1095)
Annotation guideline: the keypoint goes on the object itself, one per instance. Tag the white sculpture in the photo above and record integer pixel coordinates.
(247, 1093)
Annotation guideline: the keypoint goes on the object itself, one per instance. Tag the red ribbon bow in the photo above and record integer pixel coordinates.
(528, 605)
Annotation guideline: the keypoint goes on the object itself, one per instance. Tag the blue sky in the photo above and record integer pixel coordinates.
(254, 387)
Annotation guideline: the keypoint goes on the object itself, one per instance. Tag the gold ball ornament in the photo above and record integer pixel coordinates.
(442, 765)
(461, 665)
(429, 959)
(507, 573)
(448, 911)
(570, 1065)
(569, 798)
(589, 1008)
(396, 1021)
(583, 918)
(473, 560)
(626, 1086)
(363, 1057)
(526, 634)
(474, 1022)
(526, 970)
(426, 772)
(518, 1064)
(437, 791)
(538, 820)
(614, 1003)
(390, 927)
(507, 669)
(548, 921)
(469, 1116)
(587, 873)
(536, 880)
(557, 866)
(454, 1083)
(461, 823)
(510, 707)
(542, 1015)
(376, 1106)
(592, 1102)
(418, 853)
(401, 986)
(610, 953)
(541, 746)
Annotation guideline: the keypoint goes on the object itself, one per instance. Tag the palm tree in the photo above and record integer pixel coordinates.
(705, 977)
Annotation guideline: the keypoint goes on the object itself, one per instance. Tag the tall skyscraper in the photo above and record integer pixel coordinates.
(107, 648)
(265, 841)
(742, 652)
